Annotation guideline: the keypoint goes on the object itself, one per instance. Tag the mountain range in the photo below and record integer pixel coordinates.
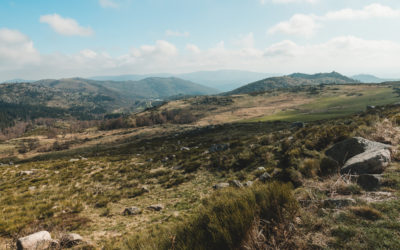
(223, 80)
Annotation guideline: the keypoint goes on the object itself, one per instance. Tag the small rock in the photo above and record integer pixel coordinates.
(221, 186)
(157, 207)
(32, 188)
(338, 203)
(132, 211)
(265, 177)
(236, 183)
(145, 189)
(27, 172)
(73, 160)
(261, 169)
(218, 148)
(185, 149)
(298, 125)
(370, 107)
(71, 239)
(370, 181)
(39, 240)
(177, 167)
(248, 184)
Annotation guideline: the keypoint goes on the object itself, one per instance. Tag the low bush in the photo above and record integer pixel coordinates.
(224, 220)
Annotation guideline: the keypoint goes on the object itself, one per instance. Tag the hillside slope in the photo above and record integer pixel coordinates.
(293, 80)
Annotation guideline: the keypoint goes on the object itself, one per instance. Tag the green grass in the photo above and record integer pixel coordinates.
(335, 105)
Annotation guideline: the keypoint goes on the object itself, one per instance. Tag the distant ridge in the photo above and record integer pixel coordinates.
(366, 78)
(296, 79)
(223, 80)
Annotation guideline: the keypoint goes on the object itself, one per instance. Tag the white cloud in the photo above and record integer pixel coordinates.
(108, 4)
(346, 54)
(65, 26)
(16, 49)
(371, 11)
(307, 25)
(177, 33)
(193, 48)
(289, 1)
(245, 41)
(299, 24)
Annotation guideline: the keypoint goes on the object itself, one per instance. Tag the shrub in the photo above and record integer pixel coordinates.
(224, 219)
(310, 168)
(328, 166)
(366, 212)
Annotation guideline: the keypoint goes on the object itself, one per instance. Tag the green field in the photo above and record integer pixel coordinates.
(333, 105)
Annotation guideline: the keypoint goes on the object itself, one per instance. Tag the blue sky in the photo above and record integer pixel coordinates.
(65, 38)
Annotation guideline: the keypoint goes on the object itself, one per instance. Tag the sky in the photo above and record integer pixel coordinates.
(83, 38)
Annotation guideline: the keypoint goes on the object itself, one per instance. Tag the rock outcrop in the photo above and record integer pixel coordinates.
(37, 241)
(360, 156)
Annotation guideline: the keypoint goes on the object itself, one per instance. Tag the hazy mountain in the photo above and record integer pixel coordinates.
(157, 87)
(223, 80)
(292, 80)
(370, 78)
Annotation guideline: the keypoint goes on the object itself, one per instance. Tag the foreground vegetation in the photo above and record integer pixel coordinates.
(86, 188)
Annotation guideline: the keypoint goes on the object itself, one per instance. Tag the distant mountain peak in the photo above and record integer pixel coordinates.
(295, 79)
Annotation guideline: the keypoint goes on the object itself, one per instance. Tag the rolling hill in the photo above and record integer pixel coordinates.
(148, 88)
(293, 80)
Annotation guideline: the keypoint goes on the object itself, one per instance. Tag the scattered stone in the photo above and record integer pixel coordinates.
(298, 125)
(248, 184)
(218, 148)
(71, 239)
(132, 211)
(177, 167)
(265, 177)
(343, 151)
(27, 172)
(39, 240)
(370, 181)
(157, 207)
(145, 189)
(236, 183)
(260, 168)
(221, 186)
(338, 203)
(370, 162)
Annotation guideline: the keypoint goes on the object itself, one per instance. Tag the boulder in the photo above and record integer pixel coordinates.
(132, 211)
(156, 207)
(221, 186)
(338, 203)
(70, 239)
(370, 181)
(236, 183)
(36, 241)
(369, 162)
(343, 151)
(265, 177)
